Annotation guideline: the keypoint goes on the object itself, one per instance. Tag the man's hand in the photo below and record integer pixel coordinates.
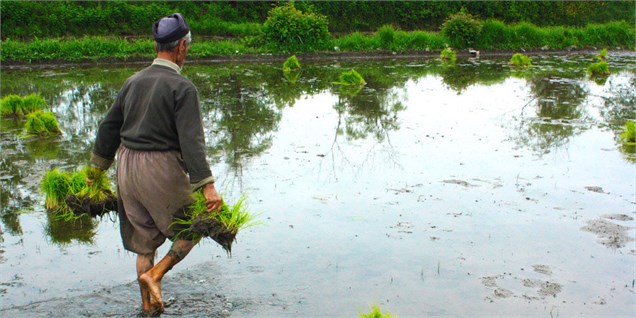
(213, 200)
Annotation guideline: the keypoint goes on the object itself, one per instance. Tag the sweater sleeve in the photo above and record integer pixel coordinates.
(189, 124)
(108, 135)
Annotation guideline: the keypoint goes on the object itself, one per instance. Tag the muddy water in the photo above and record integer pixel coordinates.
(434, 190)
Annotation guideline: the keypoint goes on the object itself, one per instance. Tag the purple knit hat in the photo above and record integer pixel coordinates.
(169, 29)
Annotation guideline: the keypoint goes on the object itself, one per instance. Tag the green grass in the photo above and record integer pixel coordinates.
(42, 124)
(494, 35)
(16, 106)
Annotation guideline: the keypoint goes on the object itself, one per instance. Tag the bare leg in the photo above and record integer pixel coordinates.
(144, 263)
(151, 279)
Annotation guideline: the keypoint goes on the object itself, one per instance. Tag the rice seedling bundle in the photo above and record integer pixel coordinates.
(520, 60)
(42, 124)
(351, 78)
(448, 55)
(291, 64)
(628, 136)
(70, 197)
(375, 313)
(222, 227)
(14, 105)
(598, 69)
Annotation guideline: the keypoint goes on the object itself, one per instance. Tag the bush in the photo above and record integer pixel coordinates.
(386, 35)
(462, 29)
(42, 124)
(288, 29)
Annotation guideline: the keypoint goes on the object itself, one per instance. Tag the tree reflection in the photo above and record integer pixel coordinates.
(244, 118)
(620, 106)
(459, 77)
(558, 115)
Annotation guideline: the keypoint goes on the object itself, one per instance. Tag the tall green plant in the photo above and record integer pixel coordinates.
(386, 35)
(288, 29)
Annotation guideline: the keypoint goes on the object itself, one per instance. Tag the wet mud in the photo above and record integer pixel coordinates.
(609, 233)
(190, 293)
(84, 205)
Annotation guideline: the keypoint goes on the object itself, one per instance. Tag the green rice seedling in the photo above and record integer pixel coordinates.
(11, 105)
(599, 69)
(448, 56)
(14, 105)
(601, 56)
(56, 185)
(351, 78)
(42, 124)
(628, 136)
(375, 313)
(291, 64)
(520, 60)
(222, 227)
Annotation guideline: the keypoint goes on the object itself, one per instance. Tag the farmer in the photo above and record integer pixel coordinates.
(156, 124)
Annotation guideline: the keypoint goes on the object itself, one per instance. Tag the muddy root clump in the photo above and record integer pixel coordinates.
(215, 230)
(81, 205)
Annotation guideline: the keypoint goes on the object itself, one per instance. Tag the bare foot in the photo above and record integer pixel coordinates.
(154, 288)
(145, 297)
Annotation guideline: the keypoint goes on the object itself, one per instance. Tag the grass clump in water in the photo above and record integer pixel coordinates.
(375, 313)
(42, 124)
(601, 56)
(222, 227)
(448, 56)
(628, 136)
(351, 78)
(291, 64)
(599, 69)
(520, 60)
(14, 105)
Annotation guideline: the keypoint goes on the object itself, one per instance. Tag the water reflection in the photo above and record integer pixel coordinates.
(63, 232)
(558, 115)
(243, 106)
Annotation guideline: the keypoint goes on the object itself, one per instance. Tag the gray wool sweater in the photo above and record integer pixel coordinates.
(157, 109)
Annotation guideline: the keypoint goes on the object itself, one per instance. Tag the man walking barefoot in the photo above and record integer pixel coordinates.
(156, 124)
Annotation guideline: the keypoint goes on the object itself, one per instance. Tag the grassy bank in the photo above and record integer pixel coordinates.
(493, 35)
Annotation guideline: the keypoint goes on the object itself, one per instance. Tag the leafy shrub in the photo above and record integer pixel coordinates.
(598, 69)
(288, 29)
(42, 124)
(461, 29)
(448, 55)
(520, 60)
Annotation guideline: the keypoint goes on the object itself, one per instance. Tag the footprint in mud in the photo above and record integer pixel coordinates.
(528, 288)
(609, 233)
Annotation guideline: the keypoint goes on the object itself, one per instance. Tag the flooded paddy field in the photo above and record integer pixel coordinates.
(466, 190)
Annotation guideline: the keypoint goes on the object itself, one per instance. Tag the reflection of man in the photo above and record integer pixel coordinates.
(157, 120)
